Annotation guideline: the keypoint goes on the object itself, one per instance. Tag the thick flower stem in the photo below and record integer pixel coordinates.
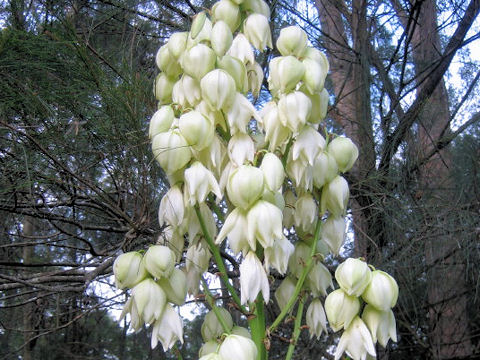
(219, 261)
(296, 329)
(211, 301)
(257, 326)
(301, 280)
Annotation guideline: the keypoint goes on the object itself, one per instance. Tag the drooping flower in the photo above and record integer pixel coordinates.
(264, 223)
(344, 151)
(292, 41)
(236, 347)
(335, 196)
(221, 38)
(171, 150)
(333, 233)
(353, 276)
(199, 182)
(198, 61)
(161, 121)
(218, 89)
(257, 31)
(175, 286)
(227, 11)
(245, 186)
(129, 270)
(148, 301)
(234, 227)
(316, 318)
(211, 326)
(278, 255)
(341, 309)
(382, 291)
(159, 261)
(168, 329)
(356, 341)
(172, 208)
(285, 291)
(253, 279)
(196, 129)
(381, 324)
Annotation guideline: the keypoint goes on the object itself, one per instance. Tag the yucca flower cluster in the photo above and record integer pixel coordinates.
(262, 174)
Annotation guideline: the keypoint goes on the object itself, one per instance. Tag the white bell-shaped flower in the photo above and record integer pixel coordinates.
(353, 276)
(245, 186)
(218, 89)
(197, 258)
(306, 213)
(289, 71)
(255, 6)
(308, 144)
(242, 49)
(199, 182)
(382, 292)
(221, 38)
(211, 326)
(173, 238)
(163, 87)
(172, 208)
(344, 151)
(264, 224)
(317, 56)
(161, 121)
(196, 129)
(333, 233)
(341, 309)
(325, 169)
(314, 76)
(168, 329)
(276, 134)
(277, 256)
(253, 279)
(292, 41)
(316, 319)
(198, 61)
(236, 347)
(285, 291)
(171, 151)
(381, 324)
(257, 30)
(241, 149)
(159, 261)
(356, 341)
(273, 171)
(240, 114)
(129, 270)
(227, 11)
(294, 110)
(237, 70)
(335, 196)
(319, 280)
(167, 63)
(186, 92)
(175, 286)
(234, 228)
(149, 300)
(177, 43)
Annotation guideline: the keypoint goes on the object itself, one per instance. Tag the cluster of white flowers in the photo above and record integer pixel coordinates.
(271, 169)
(379, 291)
(155, 283)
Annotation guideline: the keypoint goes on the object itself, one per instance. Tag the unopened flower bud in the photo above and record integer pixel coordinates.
(253, 279)
(163, 88)
(257, 31)
(218, 89)
(198, 61)
(382, 292)
(381, 324)
(200, 30)
(316, 318)
(292, 41)
(341, 309)
(171, 150)
(161, 121)
(237, 347)
(227, 11)
(159, 261)
(344, 151)
(335, 196)
(353, 276)
(129, 270)
(221, 38)
(212, 328)
(196, 129)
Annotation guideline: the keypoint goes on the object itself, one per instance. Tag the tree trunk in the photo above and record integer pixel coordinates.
(447, 301)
